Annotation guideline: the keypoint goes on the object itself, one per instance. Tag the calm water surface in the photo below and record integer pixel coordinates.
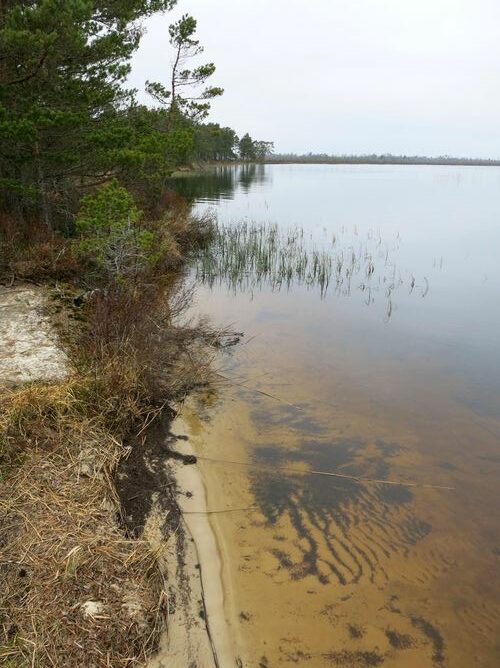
(390, 374)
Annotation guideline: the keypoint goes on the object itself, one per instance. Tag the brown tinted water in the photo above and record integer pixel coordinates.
(348, 570)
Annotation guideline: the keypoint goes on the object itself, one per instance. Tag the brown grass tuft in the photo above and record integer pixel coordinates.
(75, 591)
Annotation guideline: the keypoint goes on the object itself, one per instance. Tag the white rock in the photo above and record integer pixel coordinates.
(29, 350)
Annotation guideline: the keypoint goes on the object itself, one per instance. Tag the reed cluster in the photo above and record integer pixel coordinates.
(248, 256)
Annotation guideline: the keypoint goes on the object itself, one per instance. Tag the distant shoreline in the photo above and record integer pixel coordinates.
(195, 169)
(380, 160)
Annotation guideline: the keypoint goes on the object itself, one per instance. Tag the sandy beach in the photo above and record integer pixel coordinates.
(197, 631)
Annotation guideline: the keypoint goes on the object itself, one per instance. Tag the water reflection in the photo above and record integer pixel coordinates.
(248, 175)
(220, 182)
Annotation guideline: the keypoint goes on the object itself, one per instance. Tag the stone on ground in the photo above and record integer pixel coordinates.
(29, 350)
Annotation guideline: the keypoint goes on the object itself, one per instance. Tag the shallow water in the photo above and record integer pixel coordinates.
(390, 375)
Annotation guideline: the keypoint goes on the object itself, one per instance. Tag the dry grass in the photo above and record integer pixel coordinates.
(62, 542)
(62, 545)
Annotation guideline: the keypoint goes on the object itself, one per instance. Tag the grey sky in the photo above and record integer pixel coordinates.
(348, 76)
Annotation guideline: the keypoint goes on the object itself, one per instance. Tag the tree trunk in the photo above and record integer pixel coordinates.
(42, 186)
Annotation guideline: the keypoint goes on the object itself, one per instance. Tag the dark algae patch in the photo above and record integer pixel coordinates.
(355, 658)
(180, 457)
(356, 632)
(345, 528)
(394, 494)
(283, 559)
(433, 634)
(295, 418)
(399, 640)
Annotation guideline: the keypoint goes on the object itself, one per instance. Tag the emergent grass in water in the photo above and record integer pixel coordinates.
(250, 256)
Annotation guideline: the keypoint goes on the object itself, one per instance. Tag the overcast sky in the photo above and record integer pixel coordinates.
(348, 76)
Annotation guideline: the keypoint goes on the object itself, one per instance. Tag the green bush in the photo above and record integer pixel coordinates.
(111, 237)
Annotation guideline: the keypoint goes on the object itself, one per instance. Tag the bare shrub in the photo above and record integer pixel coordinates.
(33, 252)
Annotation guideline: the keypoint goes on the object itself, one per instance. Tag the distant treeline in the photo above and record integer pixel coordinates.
(374, 159)
(213, 143)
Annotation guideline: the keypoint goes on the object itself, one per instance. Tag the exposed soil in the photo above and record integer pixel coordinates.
(142, 476)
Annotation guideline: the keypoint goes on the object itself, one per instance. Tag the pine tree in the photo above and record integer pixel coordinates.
(65, 112)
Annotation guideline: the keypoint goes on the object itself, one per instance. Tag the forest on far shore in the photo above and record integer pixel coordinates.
(374, 159)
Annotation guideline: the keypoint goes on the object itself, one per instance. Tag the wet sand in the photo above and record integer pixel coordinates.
(191, 498)
(163, 501)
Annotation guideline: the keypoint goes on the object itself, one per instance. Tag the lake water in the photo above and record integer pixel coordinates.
(384, 368)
